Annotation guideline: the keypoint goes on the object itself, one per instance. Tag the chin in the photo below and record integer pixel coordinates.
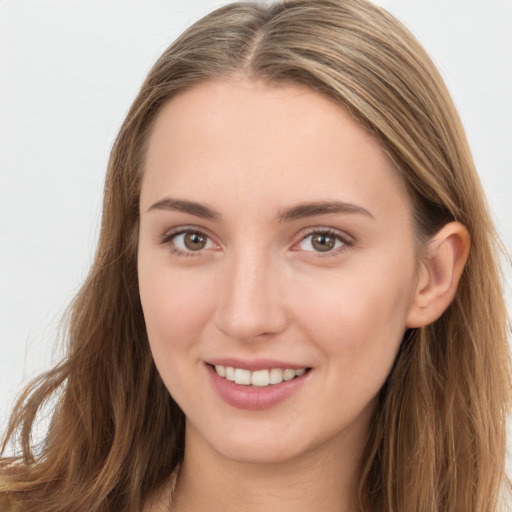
(252, 453)
(248, 443)
(269, 443)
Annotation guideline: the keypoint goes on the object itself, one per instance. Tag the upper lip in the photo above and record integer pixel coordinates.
(254, 364)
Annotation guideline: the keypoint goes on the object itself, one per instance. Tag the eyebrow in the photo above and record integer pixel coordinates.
(185, 206)
(320, 208)
(297, 212)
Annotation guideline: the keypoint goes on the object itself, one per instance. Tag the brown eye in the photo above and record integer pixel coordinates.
(323, 242)
(194, 241)
(188, 242)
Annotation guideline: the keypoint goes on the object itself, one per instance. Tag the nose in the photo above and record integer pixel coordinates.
(251, 299)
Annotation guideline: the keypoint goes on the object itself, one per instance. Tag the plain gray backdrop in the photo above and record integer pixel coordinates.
(68, 73)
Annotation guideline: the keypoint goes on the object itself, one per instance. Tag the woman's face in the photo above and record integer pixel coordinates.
(276, 241)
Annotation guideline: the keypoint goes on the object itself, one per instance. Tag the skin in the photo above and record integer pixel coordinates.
(260, 288)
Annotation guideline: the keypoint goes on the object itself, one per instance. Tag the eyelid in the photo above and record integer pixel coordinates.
(167, 238)
(347, 240)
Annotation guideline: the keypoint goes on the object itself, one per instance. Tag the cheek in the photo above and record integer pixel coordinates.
(358, 329)
(175, 311)
(358, 316)
(176, 306)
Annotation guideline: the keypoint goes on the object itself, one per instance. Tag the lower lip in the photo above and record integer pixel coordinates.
(252, 397)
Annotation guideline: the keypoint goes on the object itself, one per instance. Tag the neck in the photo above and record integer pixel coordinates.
(324, 478)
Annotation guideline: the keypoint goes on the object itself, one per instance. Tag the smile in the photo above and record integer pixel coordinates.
(258, 378)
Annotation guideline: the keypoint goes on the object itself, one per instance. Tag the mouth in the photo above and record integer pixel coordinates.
(256, 385)
(258, 378)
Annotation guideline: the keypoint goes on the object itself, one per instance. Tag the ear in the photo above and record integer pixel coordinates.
(439, 274)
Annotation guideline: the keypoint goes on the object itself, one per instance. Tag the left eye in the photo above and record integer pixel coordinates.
(321, 242)
(191, 241)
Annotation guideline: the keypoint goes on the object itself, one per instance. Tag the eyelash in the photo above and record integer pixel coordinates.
(346, 241)
(170, 236)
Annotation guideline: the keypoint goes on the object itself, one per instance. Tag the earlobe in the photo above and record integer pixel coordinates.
(440, 272)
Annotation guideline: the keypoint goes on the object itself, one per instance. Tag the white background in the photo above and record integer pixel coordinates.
(68, 73)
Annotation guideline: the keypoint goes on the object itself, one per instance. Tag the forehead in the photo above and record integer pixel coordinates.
(241, 140)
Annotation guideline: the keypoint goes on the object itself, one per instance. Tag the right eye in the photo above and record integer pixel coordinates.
(188, 242)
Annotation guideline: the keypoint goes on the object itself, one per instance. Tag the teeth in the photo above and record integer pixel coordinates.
(230, 373)
(221, 370)
(242, 377)
(276, 376)
(258, 378)
(288, 374)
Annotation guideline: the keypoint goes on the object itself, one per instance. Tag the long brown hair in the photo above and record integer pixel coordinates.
(437, 440)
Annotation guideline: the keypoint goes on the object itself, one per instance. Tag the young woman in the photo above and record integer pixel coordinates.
(295, 303)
